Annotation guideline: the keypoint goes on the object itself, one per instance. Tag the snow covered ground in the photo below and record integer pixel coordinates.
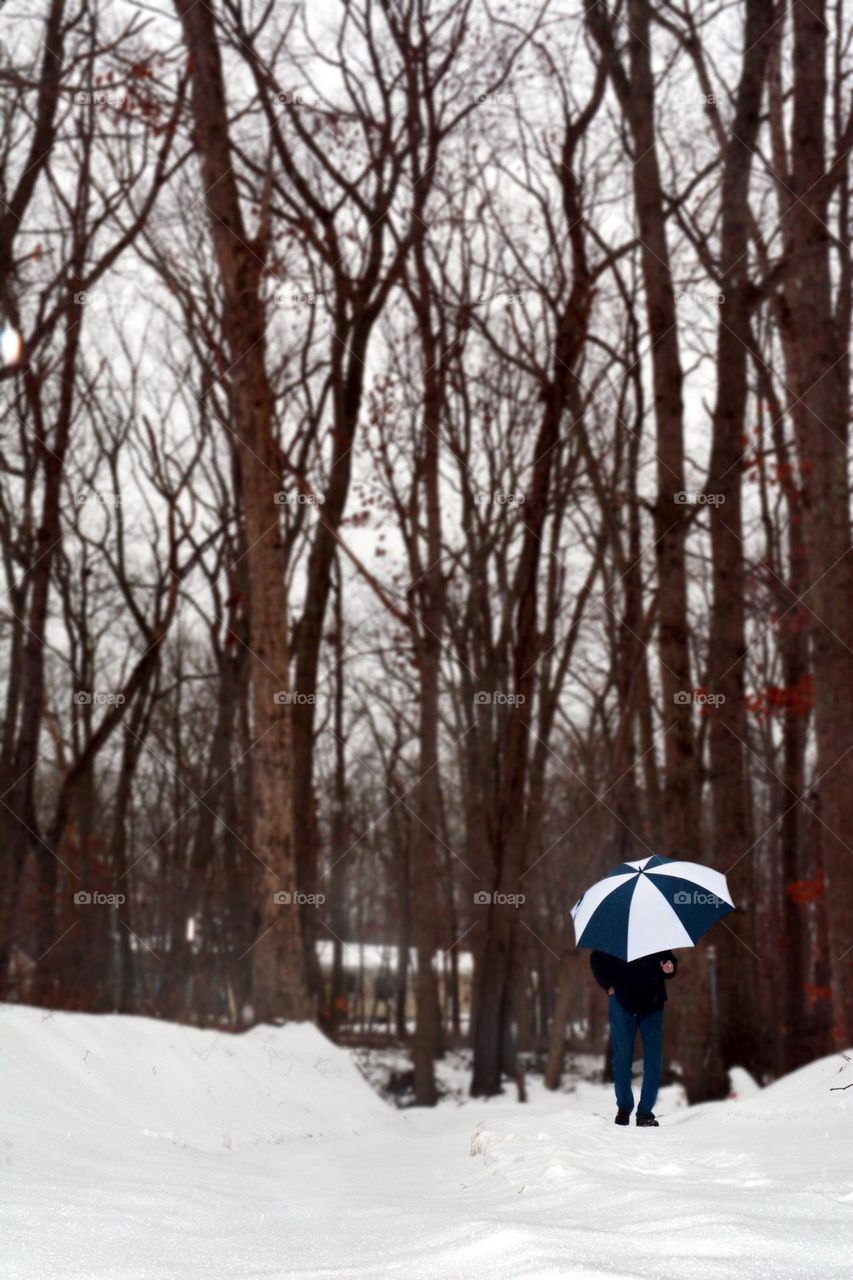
(138, 1150)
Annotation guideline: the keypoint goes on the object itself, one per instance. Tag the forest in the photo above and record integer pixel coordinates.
(424, 486)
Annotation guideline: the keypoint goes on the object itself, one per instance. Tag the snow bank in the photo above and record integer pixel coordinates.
(814, 1093)
(813, 1089)
(86, 1075)
(140, 1150)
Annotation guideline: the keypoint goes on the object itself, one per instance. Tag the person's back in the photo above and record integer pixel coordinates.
(639, 985)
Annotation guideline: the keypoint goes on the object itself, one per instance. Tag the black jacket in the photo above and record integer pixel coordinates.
(640, 985)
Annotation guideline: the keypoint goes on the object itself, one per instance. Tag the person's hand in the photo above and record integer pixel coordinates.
(610, 991)
(667, 966)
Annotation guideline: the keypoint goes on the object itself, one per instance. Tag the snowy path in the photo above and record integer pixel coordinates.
(141, 1151)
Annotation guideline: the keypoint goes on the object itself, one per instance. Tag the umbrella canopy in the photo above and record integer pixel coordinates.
(651, 905)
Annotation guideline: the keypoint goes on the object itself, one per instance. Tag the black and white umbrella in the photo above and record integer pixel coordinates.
(651, 905)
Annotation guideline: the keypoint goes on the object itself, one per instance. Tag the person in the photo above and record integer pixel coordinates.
(637, 991)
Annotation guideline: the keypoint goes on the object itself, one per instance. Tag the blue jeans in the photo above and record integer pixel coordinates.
(623, 1031)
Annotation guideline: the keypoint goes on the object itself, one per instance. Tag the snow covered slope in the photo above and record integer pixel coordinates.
(139, 1150)
(94, 1076)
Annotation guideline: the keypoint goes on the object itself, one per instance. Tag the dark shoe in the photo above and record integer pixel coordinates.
(623, 1117)
(647, 1121)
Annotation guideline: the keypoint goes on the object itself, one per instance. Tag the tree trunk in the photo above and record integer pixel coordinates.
(557, 1034)
(732, 825)
(277, 959)
(636, 94)
(820, 381)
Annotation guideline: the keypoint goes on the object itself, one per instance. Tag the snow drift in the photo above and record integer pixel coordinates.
(90, 1075)
(140, 1150)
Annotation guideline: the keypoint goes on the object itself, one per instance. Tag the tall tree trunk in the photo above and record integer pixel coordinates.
(23, 795)
(336, 1007)
(429, 624)
(277, 959)
(819, 380)
(636, 94)
(732, 826)
(495, 971)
